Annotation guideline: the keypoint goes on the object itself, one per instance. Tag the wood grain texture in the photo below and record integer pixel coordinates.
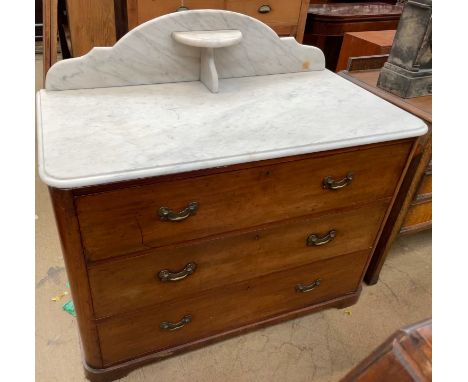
(302, 21)
(422, 108)
(284, 15)
(367, 43)
(326, 25)
(227, 260)
(149, 9)
(406, 356)
(92, 23)
(124, 221)
(67, 223)
(366, 62)
(398, 213)
(129, 336)
(287, 18)
(49, 30)
(416, 216)
(111, 373)
(425, 187)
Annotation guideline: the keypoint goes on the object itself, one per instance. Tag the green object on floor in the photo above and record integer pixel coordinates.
(68, 284)
(69, 307)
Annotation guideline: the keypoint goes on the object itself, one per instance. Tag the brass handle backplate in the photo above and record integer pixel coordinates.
(264, 9)
(303, 288)
(331, 184)
(174, 326)
(166, 213)
(166, 275)
(314, 240)
(182, 8)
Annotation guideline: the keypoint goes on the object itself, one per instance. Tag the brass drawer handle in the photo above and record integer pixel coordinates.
(314, 240)
(182, 8)
(166, 275)
(167, 214)
(331, 184)
(264, 9)
(307, 288)
(174, 326)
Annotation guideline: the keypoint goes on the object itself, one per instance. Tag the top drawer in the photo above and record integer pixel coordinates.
(149, 9)
(128, 220)
(282, 16)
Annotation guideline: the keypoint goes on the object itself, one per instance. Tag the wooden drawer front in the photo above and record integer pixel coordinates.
(425, 188)
(126, 220)
(228, 260)
(149, 9)
(283, 16)
(418, 214)
(124, 337)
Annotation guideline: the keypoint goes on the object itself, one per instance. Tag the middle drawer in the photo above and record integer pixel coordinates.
(226, 260)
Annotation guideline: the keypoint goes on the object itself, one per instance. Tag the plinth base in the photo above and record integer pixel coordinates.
(404, 83)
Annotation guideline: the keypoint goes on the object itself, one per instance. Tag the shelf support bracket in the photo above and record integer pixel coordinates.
(208, 41)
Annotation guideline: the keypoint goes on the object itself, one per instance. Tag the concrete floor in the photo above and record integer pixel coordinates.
(319, 347)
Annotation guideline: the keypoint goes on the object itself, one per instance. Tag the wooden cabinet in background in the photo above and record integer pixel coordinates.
(405, 357)
(327, 23)
(91, 23)
(368, 43)
(103, 22)
(139, 11)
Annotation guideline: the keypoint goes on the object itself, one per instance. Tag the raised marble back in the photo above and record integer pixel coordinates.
(149, 54)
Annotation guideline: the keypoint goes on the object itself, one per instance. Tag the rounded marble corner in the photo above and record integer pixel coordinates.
(423, 129)
(50, 180)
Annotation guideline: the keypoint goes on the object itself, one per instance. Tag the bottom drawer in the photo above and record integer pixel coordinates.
(215, 311)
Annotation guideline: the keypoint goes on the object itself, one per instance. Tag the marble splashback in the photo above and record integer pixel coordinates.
(95, 136)
(149, 55)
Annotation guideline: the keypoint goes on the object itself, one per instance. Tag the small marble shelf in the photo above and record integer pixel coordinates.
(208, 41)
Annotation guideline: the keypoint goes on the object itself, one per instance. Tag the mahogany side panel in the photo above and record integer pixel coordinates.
(67, 223)
(398, 214)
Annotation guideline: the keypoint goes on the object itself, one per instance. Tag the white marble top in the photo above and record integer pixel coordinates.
(94, 136)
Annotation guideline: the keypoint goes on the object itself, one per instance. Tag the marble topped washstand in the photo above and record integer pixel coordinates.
(208, 178)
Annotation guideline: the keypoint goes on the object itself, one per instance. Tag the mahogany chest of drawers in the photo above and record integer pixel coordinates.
(259, 212)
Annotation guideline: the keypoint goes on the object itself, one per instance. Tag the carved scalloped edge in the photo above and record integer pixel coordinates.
(148, 54)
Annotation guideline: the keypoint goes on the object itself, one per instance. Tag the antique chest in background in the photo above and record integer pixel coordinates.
(207, 199)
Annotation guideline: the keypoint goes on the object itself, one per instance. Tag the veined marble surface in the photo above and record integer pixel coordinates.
(94, 136)
(149, 55)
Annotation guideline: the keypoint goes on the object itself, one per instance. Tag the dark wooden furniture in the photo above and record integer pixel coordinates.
(38, 20)
(412, 211)
(327, 23)
(369, 43)
(242, 262)
(49, 38)
(405, 357)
